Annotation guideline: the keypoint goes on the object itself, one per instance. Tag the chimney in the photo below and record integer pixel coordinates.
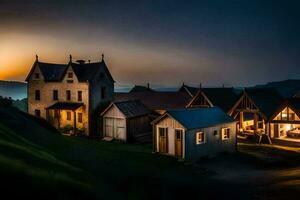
(148, 85)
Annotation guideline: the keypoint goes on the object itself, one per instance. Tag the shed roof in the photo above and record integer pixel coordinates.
(193, 118)
(65, 106)
(155, 100)
(132, 108)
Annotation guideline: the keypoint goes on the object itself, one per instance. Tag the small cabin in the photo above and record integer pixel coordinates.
(126, 121)
(189, 134)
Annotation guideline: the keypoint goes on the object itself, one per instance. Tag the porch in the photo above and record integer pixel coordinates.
(67, 117)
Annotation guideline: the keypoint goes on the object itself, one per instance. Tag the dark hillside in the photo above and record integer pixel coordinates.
(43, 164)
(35, 171)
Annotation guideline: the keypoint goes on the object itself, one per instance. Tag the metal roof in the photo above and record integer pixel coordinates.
(193, 118)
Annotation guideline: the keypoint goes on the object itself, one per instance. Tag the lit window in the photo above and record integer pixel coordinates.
(199, 137)
(68, 115)
(80, 117)
(225, 133)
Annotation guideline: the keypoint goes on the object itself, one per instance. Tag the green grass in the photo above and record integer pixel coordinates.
(35, 157)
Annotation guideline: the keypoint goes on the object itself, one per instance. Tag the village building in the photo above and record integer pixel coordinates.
(127, 121)
(157, 101)
(67, 95)
(223, 98)
(285, 122)
(193, 133)
(141, 88)
(254, 110)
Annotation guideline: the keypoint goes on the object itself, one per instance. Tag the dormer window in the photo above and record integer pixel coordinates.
(70, 74)
(37, 76)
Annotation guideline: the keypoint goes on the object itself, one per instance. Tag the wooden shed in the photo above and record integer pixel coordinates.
(126, 120)
(193, 133)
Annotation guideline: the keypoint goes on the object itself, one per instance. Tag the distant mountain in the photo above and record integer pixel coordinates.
(13, 89)
(287, 88)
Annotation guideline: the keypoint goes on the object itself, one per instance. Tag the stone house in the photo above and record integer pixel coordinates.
(67, 95)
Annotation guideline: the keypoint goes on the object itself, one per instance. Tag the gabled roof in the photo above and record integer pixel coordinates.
(56, 72)
(192, 91)
(266, 99)
(224, 98)
(65, 106)
(155, 100)
(294, 103)
(132, 108)
(52, 72)
(194, 118)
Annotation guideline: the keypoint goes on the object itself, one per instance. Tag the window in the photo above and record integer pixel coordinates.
(199, 137)
(215, 132)
(225, 133)
(37, 113)
(79, 95)
(36, 75)
(68, 115)
(68, 94)
(70, 74)
(80, 117)
(178, 134)
(55, 95)
(103, 92)
(37, 95)
(292, 116)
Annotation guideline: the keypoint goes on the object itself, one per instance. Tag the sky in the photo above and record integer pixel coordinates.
(166, 43)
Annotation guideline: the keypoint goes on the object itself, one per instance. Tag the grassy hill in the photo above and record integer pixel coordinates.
(41, 163)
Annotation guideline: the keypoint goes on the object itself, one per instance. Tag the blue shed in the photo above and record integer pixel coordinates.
(193, 133)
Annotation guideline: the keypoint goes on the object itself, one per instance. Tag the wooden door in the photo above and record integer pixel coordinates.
(109, 127)
(163, 140)
(178, 142)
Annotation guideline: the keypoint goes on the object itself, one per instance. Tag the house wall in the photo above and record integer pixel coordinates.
(171, 124)
(138, 125)
(46, 91)
(64, 122)
(102, 80)
(212, 145)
